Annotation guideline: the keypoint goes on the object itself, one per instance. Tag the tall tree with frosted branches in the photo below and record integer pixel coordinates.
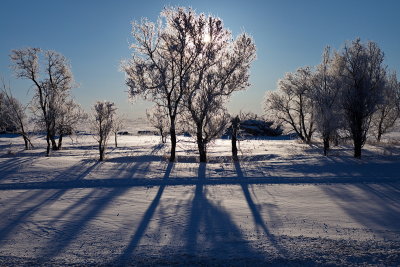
(222, 70)
(52, 81)
(163, 57)
(362, 75)
(292, 105)
(173, 58)
(325, 95)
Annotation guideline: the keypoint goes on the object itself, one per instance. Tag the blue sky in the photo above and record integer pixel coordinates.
(95, 35)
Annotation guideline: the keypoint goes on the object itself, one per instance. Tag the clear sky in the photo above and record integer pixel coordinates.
(94, 35)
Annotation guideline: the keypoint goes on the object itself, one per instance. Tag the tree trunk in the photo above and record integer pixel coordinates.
(357, 140)
(357, 136)
(60, 139)
(163, 137)
(48, 145)
(235, 126)
(357, 149)
(115, 141)
(53, 143)
(173, 140)
(378, 138)
(26, 142)
(326, 145)
(234, 148)
(201, 145)
(101, 151)
(380, 126)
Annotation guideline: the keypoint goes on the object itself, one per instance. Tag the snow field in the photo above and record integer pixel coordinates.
(70, 209)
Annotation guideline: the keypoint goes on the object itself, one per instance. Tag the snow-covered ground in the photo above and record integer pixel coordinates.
(284, 204)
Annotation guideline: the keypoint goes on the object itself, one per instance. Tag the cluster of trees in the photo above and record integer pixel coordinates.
(53, 108)
(188, 64)
(13, 114)
(350, 91)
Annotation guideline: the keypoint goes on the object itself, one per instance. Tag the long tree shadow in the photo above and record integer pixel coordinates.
(257, 218)
(41, 199)
(85, 213)
(10, 166)
(376, 206)
(211, 231)
(144, 223)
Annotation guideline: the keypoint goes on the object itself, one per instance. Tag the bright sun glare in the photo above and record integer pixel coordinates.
(207, 38)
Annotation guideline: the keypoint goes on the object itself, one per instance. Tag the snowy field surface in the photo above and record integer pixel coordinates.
(283, 204)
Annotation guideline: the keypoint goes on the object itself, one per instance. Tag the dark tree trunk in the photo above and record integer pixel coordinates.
(26, 141)
(53, 143)
(201, 145)
(173, 141)
(358, 138)
(60, 139)
(115, 140)
(357, 149)
(380, 126)
(48, 145)
(101, 151)
(326, 145)
(235, 126)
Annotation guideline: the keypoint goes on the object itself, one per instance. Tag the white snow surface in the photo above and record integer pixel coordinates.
(284, 203)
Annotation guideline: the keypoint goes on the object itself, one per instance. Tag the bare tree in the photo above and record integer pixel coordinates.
(116, 127)
(163, 58)
(221, 69)
(325, 98)
(388, 111)
(70, 114)
(158, 118)
(50, 91)
(179, 52)
(362, 76)
(291, 104)
(104, 113)
(13, 114)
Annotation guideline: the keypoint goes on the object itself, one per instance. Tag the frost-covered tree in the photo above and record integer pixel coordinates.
(325, 98)
(221, 70)
(13, 114)
(163, 58)
(52, 82)
(117, 126)
(292, 105)
(102, 124)
(70, 114)
(388, 111)
(362, 75)
(176, 56)
(158, 118)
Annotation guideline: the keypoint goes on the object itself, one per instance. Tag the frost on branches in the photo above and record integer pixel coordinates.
(54, 110)
(102, 124)
(187, 62)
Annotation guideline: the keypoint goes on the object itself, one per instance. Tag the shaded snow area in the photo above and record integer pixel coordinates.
(283, 204)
